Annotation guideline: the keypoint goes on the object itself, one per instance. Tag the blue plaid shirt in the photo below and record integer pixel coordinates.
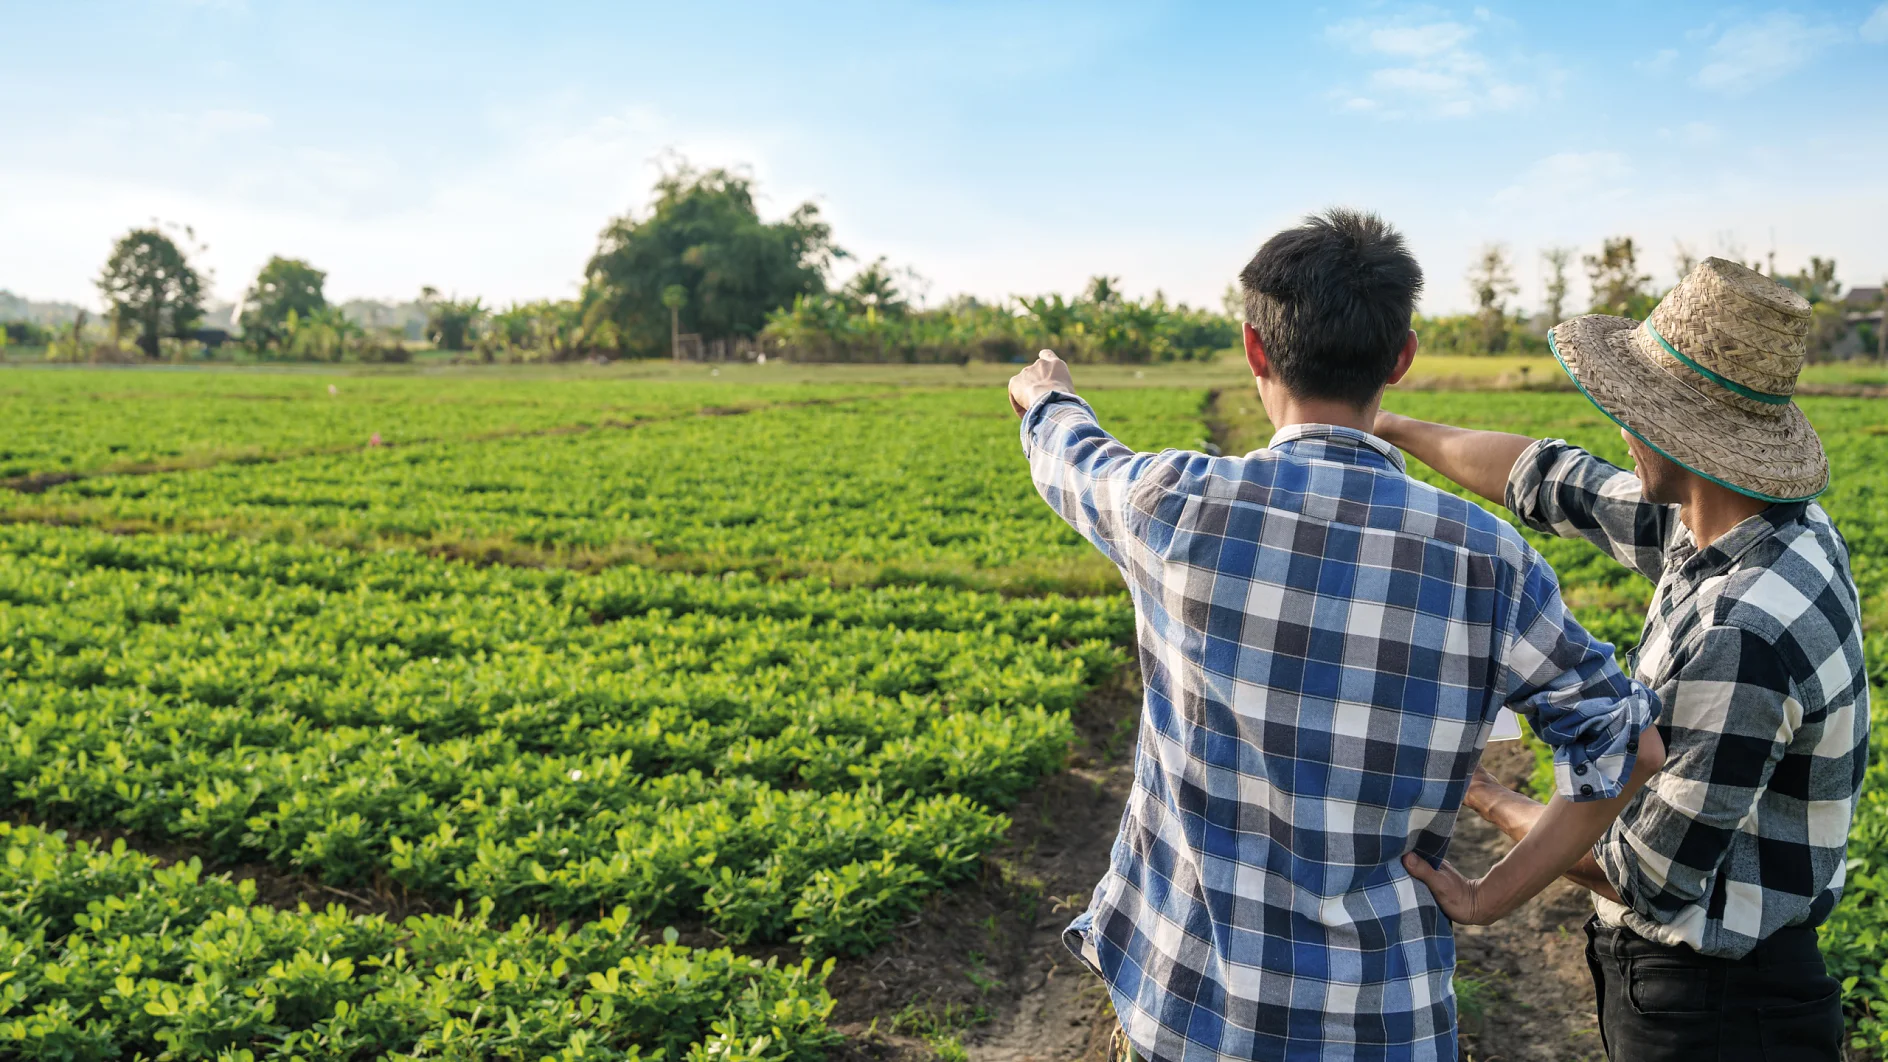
(1325, 643)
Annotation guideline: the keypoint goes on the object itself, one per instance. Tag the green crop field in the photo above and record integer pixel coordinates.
(567, 661)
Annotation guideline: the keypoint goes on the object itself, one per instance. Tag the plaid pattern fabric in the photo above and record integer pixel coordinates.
(1325, 644)
(1754, 645)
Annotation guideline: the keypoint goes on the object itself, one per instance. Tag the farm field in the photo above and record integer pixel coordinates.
(72, 422)
(566, 662)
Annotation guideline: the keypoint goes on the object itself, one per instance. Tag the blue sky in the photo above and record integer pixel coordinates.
(994, 148)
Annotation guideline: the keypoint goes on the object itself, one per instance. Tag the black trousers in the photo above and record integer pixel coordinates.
(1659, 1001)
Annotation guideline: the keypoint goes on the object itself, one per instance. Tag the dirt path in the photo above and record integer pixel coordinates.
(1527, 996)
(1534, 1002)
(983, 970)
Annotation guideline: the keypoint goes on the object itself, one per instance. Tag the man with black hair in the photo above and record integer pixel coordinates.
(1325, 644)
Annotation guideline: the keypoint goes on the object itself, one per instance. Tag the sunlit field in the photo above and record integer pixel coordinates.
(653, 687)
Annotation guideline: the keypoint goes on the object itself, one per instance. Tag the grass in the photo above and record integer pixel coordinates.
(941, 1028)
(1226, 370)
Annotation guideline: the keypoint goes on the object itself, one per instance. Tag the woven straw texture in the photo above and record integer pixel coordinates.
(1737, 323)
(1743, 327)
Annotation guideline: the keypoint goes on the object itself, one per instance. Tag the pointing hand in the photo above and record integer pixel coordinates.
(1047, 373)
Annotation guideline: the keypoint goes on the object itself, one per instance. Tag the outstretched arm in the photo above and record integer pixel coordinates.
(1554, 488)
(1086, 475)
(1478, 460)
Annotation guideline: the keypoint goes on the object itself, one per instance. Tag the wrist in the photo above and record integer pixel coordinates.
(1389, 426)
(1035, 395)
(1496, 896)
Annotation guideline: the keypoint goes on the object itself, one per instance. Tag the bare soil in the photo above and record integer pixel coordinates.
(1522, 984)
(986, 965)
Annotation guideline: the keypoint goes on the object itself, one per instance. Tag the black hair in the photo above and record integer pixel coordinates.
(1331, 301)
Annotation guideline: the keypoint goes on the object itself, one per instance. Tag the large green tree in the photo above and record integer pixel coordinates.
(285, 286)
(702, 234)
(150, 285)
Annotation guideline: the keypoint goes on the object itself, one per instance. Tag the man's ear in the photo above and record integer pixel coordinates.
(1404, 357)
(1255, 352)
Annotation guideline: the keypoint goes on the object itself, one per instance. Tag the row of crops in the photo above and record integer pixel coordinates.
(106, 953)
(925, 486)
(766, 665)
(683, 746)
(561, 764)
(65, 423)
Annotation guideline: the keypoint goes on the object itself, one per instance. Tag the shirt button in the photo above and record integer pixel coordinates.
(1579, 768)
(1633, 745)
(1586, 790)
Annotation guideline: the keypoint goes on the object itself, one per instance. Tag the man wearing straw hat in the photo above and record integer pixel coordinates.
(1711, 883)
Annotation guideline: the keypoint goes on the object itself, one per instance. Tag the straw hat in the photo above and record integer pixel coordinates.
(1707, 379)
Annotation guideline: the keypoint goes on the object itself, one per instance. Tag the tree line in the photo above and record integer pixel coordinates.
(1620, 284)
(701, 262)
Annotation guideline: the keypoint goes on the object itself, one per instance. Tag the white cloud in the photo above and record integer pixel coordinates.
(1751, 54)
(203, 127)
(1700, 134)
(1660, 62)
(1876, 27)
(1414, 42)
(1431, 69)
(1568, 179)
(517, 224)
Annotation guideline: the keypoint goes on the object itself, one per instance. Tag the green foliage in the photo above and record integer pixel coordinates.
(1556, 259)
(1617, 285)
(452, 324)
(704, 236)
(1492, 280)
(783, 488)
(110, 955)
(1817, 283)
(63, 424)
(779, 759)
(27, 333)
(150, 286)
(286, 290)
(1481, 333)
(543, 331)
(851, 326)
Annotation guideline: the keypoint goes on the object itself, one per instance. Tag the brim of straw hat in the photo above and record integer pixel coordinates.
(1774, 457)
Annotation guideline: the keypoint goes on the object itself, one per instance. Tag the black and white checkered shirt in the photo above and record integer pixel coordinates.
(1754, 646)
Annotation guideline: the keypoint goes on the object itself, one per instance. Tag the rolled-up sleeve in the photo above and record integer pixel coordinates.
(1086, 475)
(1571, 691)
(1733, 712)
(1559, 489)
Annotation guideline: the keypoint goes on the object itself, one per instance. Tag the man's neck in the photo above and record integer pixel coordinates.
(1712, 511)
(1284, 409)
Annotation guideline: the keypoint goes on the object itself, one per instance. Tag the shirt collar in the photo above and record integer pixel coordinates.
(1732, 544)
(1339, 435)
